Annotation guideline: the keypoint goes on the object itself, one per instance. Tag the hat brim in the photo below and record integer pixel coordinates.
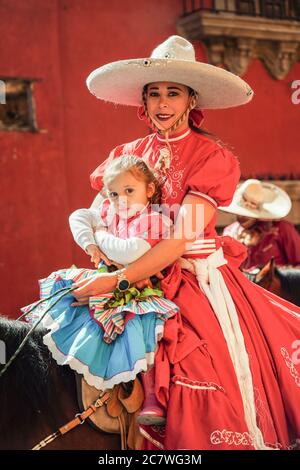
(275, 210)
(122, 82)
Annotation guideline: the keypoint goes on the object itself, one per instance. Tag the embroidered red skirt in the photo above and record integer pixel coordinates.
(195, 377)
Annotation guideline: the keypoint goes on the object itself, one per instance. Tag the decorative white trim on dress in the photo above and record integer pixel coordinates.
(202, 246)
(204, 242)
(289, 363)
(238, 438)
(174, 139)
(231, 438)
(196, 384)
(98, 382)
(204, 196)
(195, 387)
(194, 252)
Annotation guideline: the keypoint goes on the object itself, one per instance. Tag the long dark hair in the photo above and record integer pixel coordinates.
(200, 130)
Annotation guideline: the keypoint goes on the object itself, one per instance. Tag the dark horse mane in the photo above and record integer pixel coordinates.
(25, 386)
(290, 282)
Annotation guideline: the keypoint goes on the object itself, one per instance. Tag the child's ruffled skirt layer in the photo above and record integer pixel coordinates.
(77, 339)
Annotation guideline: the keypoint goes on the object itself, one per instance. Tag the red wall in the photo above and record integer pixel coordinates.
(34, 205)
(45, 175)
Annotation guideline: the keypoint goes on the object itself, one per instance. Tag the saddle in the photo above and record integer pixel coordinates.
(118, 415)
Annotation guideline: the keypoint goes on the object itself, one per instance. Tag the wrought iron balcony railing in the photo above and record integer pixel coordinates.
(271, 9)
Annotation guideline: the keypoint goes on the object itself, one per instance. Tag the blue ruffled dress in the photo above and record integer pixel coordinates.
(105, 343)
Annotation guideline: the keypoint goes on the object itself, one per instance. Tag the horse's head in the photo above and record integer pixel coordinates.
(283, 281)
(264, 275)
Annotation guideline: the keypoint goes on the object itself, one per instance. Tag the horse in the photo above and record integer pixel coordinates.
(283, 281)
(37, 397)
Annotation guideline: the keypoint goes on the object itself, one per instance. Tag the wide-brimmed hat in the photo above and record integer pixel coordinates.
(174, 60)
(259, 200)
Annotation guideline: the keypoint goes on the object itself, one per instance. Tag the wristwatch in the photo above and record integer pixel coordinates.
(122, 283)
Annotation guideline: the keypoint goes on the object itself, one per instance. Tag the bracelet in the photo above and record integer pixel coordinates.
(122, 282)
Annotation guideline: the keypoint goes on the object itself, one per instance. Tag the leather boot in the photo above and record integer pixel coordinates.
(152, 412)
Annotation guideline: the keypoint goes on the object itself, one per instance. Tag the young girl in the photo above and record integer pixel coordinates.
(116, 338)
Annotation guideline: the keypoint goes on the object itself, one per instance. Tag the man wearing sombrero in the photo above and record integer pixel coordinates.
(224, 370)
(259, 207)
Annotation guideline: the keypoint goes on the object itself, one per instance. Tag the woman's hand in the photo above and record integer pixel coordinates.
(98, 284)
(102, 283)
(97, 255)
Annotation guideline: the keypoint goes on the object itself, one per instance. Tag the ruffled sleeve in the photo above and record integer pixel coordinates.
(97, 175)
(215, 177)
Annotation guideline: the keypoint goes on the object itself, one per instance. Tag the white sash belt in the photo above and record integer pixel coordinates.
(211, 282)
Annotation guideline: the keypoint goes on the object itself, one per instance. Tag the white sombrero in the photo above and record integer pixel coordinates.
(259, 200)
(174, 60)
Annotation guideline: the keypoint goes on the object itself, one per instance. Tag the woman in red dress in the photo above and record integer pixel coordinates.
(227, 370)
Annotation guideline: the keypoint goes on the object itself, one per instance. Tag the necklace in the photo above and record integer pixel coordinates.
(164, 160)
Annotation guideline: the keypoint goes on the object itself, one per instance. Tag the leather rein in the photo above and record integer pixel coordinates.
(79, 419)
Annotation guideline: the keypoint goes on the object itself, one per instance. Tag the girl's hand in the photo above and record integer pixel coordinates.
(147, 282)
(97, 255)
(98, 284)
